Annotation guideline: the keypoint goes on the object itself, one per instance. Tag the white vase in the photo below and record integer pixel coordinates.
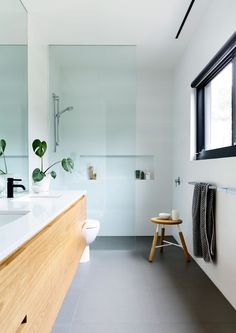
(3, 183)
(42, 186)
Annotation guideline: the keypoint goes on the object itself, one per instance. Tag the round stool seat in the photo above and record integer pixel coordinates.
(160, 228)
(157, 220)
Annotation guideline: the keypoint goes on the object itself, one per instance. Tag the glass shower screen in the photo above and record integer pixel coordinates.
(100, 134)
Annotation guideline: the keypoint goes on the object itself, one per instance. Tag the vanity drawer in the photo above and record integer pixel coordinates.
(25, 283)
(68, 246)
(13, 299)
(39, 279)
(65, 244)
(81, 210)
(35, 279)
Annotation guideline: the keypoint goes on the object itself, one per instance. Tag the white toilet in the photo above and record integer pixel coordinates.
(90, 231)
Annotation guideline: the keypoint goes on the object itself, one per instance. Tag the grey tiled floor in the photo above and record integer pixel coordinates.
(119, 291)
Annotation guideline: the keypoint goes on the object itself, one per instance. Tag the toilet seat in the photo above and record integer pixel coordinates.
(92, 224)
(90, 231)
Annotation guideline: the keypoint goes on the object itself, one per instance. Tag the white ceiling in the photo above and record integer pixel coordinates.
(150, 24)
(13, 22)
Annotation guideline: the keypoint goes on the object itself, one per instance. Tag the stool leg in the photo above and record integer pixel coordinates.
(154, 243)
(184, 246)
(162, 239)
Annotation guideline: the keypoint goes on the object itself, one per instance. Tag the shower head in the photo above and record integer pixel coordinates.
(70, 108)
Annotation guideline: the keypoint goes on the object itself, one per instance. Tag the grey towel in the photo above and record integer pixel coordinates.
(197, 244)
(203, 212)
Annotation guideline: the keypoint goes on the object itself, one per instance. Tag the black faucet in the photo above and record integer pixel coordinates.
(11, 185)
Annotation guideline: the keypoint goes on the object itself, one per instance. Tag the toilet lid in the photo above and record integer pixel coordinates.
(90, 224)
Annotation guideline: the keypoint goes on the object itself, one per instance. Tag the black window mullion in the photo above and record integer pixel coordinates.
(217, 70)
(226, 55)
(200, 120)
(218, 58)
(234, 101)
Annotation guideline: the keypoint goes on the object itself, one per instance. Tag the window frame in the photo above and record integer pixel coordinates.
(225, 55)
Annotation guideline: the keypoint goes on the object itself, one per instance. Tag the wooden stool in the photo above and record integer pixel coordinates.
(160, 224)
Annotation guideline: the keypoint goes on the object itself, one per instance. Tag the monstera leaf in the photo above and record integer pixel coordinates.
(67, 164)
(2, 146)
(39, 147)
(38, 175)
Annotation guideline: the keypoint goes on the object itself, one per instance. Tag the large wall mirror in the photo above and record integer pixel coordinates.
(13, 88)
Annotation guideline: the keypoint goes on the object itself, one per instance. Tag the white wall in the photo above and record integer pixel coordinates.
(37, 89)
(13, 87)
(13, 106)
(13, 98)
(154, 103)
(153, 137)
(13, 22)
(145, 132)
(100, 83)
(153, 108)
(216, 26)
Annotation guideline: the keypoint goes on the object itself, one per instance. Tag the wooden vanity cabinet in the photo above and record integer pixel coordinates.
(35, 279)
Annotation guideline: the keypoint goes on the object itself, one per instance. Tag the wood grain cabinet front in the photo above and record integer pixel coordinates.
(35, 279)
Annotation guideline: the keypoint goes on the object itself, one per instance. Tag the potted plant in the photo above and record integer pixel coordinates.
(3, 173)
(41, 176)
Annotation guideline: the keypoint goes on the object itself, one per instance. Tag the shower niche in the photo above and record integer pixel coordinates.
(118, 167)
(100, 83)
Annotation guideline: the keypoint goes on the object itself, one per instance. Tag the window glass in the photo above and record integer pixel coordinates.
(218, 110)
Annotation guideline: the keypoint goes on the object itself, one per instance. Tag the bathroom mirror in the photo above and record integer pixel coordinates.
(13, 87)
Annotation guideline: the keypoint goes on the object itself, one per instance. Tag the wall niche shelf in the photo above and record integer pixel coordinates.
(115, 167)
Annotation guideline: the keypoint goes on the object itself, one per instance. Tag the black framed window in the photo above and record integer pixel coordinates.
(216, 105)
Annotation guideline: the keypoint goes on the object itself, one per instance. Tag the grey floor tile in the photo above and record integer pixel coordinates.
(179, 304)
(120, 306)
(114, 328)
(61, 329)
(78, 327)
(114, 243)
(67, 311)
(120, 291)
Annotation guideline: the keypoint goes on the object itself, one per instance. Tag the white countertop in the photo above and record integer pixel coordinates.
(41, 210)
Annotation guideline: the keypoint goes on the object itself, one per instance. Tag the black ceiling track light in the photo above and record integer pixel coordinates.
(185, 18)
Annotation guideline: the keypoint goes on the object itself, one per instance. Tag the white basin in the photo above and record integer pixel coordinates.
(9, 216)
(37, 196)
